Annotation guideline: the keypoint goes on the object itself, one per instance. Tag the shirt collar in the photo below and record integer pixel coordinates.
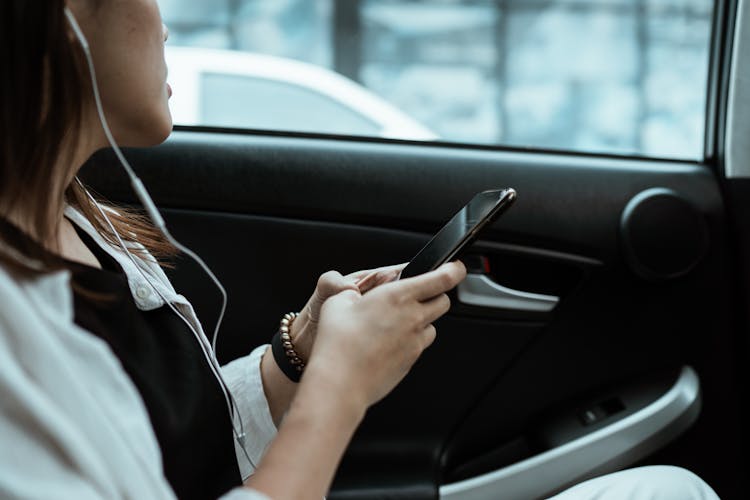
(146, 280)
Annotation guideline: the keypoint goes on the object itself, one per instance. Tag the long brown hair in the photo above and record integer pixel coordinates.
(41, 110)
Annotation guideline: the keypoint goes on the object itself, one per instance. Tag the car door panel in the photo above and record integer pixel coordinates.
(270, 213)
(626, 425)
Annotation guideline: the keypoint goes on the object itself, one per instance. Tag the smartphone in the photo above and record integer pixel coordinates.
(460, 231)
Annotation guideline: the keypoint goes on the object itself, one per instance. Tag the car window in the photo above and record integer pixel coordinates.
(603, 76)
(273, 104)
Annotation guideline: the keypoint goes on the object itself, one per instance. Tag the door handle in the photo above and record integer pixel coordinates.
(480, 290)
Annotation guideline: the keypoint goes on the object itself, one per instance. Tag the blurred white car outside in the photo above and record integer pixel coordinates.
(226, 88)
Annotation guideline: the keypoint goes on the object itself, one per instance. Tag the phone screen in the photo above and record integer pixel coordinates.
(460, 231)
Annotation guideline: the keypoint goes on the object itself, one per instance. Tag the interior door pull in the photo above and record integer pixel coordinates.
(480, 290)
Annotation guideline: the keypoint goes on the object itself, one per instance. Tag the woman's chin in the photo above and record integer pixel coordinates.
(164, 128)
(164, 135)
(153, 133)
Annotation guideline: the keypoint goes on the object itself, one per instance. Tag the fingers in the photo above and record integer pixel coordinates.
(391, 273)
(433, 283)
(361, 274)
(358, 275)
(428, 312)
(333, 282)
(395, 269)
(434, 308)
(428, 336)
(329, 284)
(367, 280)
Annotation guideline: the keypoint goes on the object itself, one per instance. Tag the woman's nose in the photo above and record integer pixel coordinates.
(166, 31)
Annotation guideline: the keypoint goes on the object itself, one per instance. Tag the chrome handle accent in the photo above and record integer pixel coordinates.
(610, 448)
(480, 290)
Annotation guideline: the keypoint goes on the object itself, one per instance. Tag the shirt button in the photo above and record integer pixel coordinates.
(142, 292)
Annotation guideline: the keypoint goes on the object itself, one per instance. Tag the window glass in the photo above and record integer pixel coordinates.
(609, 76)
(277, 105)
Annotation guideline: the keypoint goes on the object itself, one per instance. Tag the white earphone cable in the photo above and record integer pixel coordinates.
(148, 204)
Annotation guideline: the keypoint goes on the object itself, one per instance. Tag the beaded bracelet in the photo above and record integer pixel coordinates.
(283, 350)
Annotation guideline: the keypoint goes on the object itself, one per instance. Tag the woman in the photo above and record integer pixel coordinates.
(96, 370)
(104, 391)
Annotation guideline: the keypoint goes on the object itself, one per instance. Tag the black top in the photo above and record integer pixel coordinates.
(162, 357)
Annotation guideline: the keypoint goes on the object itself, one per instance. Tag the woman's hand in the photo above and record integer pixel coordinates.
(278, 388)
(366, 343)
(305, 327)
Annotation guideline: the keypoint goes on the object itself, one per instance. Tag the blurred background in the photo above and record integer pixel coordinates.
(610, 76)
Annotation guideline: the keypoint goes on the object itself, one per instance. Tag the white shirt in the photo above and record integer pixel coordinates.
(72, 424)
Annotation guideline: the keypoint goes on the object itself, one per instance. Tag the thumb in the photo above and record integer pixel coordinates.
(333, 282)
(329, 284)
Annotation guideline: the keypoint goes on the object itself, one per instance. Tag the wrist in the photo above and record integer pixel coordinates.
(312, 437)
(323, 381)
(277, 387)
(323, 411)
(285, 353)
(301, 337)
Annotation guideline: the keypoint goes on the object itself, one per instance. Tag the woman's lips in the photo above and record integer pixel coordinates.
(169, 90)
